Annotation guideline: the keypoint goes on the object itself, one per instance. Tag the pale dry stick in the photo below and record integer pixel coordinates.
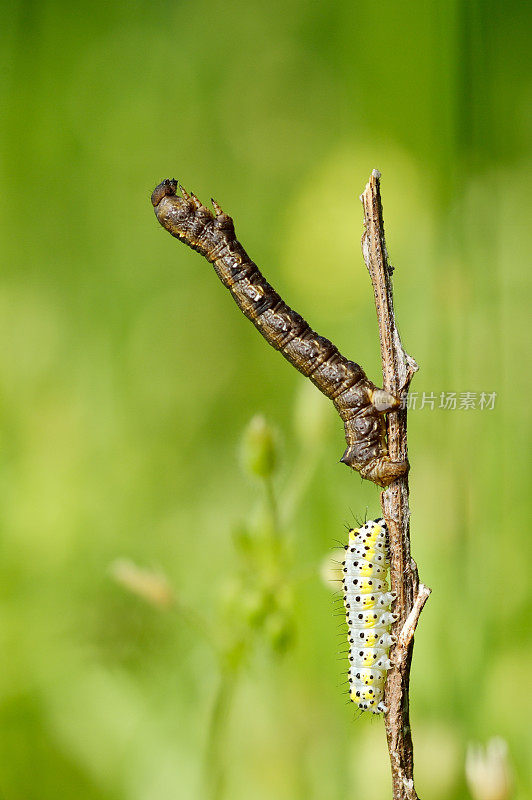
(397, 369)
(407, 631)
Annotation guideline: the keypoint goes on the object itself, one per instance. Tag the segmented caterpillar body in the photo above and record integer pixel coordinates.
(360, 404)
(367, 604)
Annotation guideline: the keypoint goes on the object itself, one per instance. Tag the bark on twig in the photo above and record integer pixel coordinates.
(397, 369)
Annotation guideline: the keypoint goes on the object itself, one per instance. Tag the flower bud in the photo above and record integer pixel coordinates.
(254, 608)
(488, 771)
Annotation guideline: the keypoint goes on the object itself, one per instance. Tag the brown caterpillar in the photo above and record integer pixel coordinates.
(359, 402)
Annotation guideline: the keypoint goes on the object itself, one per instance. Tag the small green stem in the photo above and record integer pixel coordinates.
(214, 765)
(272, 506)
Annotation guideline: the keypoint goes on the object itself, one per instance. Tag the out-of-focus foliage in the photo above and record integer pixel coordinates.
(127, 377)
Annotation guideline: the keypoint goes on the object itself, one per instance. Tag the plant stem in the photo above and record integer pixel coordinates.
(214, 766)
(397, 369)
(272, 506)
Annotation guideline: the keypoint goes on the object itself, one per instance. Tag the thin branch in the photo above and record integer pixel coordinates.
(407, 631)
(398, 369)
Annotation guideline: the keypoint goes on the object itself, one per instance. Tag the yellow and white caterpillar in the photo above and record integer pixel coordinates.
(368, 612)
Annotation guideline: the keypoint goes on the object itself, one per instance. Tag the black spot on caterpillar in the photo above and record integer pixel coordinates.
(360, 404)
(367, 604)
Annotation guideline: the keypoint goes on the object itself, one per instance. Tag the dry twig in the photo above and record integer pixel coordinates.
(397, 368)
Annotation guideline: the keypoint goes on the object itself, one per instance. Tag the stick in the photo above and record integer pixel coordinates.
(398, 369)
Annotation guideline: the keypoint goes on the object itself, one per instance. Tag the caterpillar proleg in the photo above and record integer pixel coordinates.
(360, 404)
(368, 613)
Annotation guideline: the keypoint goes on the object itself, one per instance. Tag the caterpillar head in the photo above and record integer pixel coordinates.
(186, 218)
(365, 431)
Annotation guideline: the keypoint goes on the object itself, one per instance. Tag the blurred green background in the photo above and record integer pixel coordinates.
(166, 629)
